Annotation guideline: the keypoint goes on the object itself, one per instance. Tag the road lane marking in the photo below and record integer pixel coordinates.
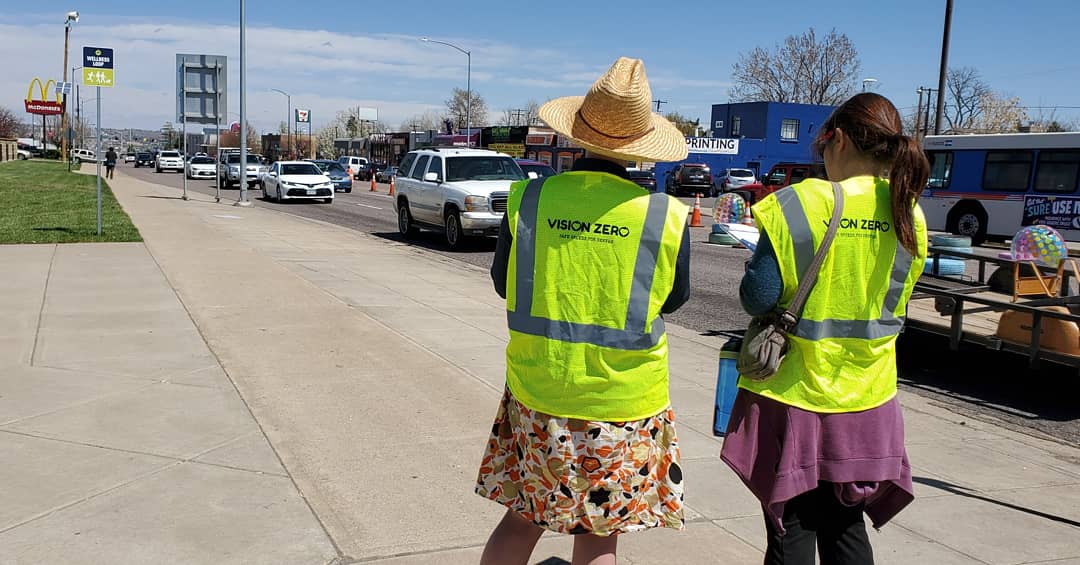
(369, 206)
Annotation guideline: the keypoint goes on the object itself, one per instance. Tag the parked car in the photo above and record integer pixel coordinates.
(296, 180)
(229, 169)
(358, 165)
(386, 174)
(23, 154)
(144, 159)
(459, 191)
(541, 169)
(338, 175)
(779, 176)
(688, 179)
(201, 168)
(129, 157)
(169, 161)
(644, 179)
(83, 155)
(734, 178)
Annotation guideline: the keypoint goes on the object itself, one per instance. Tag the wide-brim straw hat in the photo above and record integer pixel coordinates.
(616, 119)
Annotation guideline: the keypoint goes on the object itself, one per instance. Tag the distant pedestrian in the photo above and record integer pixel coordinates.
(584, 441)
(821, 441)
(110, 162)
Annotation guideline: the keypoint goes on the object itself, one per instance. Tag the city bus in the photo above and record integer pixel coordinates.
(990, 186)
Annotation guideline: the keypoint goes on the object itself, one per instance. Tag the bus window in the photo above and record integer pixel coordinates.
(1057, 172)
(1007, 170)
(940, 169)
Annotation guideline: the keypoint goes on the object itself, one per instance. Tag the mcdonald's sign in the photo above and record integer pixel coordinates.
(43, 106)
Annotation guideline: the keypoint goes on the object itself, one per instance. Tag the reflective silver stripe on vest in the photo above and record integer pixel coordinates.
(889, 324)
(799, 228)
(634, 336)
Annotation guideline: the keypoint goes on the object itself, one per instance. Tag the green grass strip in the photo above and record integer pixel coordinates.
(41, 202)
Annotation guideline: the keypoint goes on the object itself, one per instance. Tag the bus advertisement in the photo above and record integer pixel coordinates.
(988, 186)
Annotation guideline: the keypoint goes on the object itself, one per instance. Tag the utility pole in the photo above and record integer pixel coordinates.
(658, 103)
(918, 116)
(944, 67)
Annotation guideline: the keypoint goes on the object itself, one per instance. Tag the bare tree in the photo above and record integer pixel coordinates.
(965, 91)
(1047, 120)
(9, 124)
(429, 120)
(457, 107)
(802, 69)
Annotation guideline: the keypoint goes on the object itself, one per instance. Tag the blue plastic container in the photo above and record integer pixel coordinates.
(727, 384)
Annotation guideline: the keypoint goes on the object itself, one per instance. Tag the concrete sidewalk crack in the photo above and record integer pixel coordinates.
(41, 311)
(318, 519)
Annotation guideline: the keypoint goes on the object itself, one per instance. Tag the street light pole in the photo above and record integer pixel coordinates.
(288, 116)
(468, 87)
(72, 17)
(243, 114)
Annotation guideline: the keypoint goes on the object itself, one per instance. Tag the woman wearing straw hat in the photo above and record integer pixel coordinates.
(584, 440)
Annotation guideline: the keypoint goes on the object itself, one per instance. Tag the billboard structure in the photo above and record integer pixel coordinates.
(201, 94)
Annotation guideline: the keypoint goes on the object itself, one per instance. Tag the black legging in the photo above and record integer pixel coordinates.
(818, 518)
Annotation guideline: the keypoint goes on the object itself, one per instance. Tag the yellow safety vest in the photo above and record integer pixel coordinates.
(592, 262)
(842, 354)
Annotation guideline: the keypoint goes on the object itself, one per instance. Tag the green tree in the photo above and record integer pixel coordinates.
(687, 126)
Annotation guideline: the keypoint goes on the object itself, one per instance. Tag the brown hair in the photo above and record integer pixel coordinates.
(872, 123)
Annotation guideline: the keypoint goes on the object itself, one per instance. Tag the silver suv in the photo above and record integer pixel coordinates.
(461, 192)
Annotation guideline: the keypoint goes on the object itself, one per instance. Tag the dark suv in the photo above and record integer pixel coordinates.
(144, 159)
(688, 179)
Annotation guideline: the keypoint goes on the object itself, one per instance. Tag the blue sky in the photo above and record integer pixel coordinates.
(344, 53)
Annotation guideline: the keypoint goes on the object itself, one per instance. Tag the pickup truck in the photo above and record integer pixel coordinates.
(779, 176)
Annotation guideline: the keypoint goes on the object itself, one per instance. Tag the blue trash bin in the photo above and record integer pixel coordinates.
(727, 384)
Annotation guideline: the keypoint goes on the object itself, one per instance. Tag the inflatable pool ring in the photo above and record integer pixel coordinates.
(1041, 244)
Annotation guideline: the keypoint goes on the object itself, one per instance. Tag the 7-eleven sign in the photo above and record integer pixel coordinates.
(303, 116)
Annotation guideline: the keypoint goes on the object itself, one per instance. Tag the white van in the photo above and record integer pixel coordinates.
(358, 165)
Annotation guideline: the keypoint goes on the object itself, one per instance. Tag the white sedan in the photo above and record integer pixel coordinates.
(296, 180)
(201, 168)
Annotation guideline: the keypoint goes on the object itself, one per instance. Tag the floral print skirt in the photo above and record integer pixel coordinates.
(579, 477)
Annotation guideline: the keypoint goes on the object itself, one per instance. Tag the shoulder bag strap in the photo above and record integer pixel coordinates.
(791, 315)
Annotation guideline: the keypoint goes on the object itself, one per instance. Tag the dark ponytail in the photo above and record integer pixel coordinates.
(908, 174)
(873, 125)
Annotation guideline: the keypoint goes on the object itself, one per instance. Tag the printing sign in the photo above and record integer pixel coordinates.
(712, 145)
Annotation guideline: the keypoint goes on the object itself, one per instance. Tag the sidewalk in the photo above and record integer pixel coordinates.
(250, 386)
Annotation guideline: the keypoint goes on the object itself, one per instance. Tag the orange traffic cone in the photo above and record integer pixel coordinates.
(373, 189)
(695, 218)
(391, 186)
(748, 219)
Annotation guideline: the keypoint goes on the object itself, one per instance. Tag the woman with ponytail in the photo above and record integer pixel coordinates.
(821, 442)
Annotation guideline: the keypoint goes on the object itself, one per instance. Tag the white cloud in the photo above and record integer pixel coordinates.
(322, 70)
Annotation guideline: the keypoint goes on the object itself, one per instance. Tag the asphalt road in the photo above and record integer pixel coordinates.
(715, 270)
(976, 382)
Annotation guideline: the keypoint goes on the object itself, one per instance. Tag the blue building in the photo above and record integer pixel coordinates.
(767, 133)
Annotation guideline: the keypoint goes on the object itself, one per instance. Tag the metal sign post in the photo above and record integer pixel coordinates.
(98, 71)
(183, 116)
(243, 201)
(97, 154)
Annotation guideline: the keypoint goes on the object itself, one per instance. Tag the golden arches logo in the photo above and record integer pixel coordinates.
(43, 106)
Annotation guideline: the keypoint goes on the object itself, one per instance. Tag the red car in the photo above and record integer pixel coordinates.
(779, 176)
(542, 170)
